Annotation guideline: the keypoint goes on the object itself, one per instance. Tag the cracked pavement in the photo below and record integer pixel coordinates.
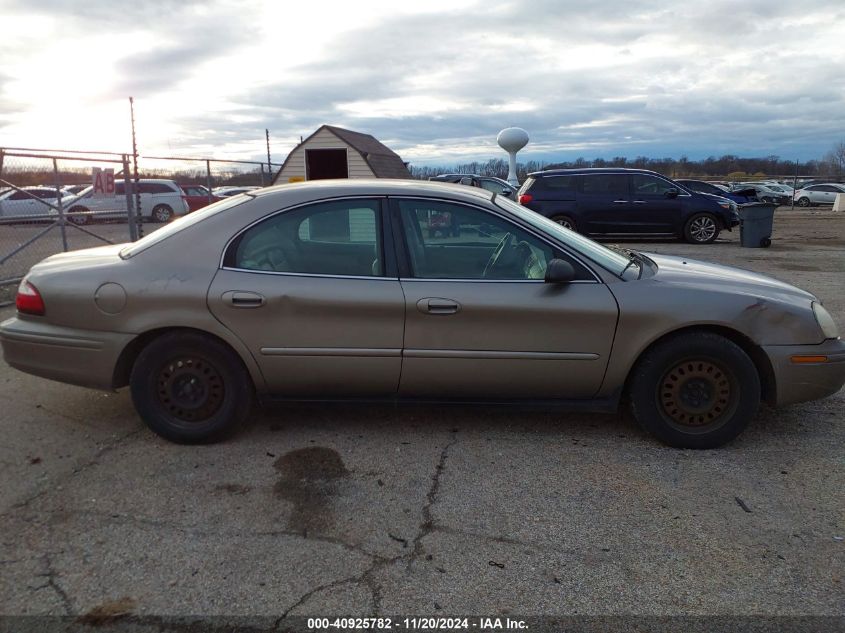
(336, 510)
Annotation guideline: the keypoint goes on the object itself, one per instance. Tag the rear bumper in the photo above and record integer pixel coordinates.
(799, 382)
(79, 357)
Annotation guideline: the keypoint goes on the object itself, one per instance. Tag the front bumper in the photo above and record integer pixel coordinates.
(79, 357)
(799, 382)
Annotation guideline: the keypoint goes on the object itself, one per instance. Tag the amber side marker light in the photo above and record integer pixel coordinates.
(808, 359)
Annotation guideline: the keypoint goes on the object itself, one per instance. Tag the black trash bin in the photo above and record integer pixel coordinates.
(755, 225)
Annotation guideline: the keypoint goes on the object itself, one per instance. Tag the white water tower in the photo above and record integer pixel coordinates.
(512, 139)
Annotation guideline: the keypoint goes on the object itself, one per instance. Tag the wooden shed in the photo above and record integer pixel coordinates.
(333, 152)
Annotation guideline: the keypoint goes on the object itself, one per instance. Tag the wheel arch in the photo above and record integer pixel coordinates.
(129, 354)
(768, 381)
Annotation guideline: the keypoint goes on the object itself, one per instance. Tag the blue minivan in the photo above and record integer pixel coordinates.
(615, 201)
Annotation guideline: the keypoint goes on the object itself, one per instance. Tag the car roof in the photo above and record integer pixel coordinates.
(581, 171)
(379, 187)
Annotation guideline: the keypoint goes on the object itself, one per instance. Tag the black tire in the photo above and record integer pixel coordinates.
(565, 221)
(804, 202)
(694, 390)
(766, 242)
(161, 213)
(190, 388)
(75, 215)
(701, 228)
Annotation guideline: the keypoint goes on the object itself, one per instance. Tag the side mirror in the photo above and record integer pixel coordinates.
(559, 271)
(507, 192)
(672, 193)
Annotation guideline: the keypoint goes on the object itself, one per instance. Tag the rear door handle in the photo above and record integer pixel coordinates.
(620, 202)
(639, 201)
(243, 299)
(436, 305)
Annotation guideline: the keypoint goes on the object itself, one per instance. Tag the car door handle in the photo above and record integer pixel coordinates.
(435, 305)
(639, 201)
(243, 299)
(620, 202)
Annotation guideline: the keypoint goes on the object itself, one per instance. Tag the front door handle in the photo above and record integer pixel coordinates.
(620, 202)
(436, 305)
(639, 201)
(243, 299)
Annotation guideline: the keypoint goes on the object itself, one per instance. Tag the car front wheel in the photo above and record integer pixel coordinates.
(694, 390)
(804, 202)
(78, 215)
(701, 228)
(190, 388)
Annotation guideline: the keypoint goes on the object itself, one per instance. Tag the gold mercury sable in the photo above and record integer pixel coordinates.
(409, 291)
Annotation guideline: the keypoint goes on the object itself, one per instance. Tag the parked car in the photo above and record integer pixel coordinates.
(334, 290)
(225, 192)
(197, 196)
(490, 183)
(740, 196)
(29, 204)
(161, 201)
(766, 193)
(814, 195)
(618, 201)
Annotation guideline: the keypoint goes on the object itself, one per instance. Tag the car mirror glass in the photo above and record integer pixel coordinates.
(671, 193)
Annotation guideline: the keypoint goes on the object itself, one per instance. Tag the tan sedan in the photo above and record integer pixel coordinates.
(350, 290)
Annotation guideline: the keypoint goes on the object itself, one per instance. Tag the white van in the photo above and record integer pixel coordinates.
(161, 200)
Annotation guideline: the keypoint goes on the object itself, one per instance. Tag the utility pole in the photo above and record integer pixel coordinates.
(137, 217)
(269, 167)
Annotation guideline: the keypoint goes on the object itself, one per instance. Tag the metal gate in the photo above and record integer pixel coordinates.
(48, 206)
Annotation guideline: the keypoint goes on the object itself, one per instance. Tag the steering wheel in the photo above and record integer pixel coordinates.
(505, 243)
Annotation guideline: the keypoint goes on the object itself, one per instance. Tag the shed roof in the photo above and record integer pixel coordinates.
(383, 161)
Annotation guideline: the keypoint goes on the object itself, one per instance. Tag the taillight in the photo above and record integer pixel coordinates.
(525, 198)
(28, 300)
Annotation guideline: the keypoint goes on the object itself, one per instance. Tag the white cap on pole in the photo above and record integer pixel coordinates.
(512, 139)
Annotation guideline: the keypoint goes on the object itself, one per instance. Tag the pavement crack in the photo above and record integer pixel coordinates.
(427, 524)
(52, 583)
(307, 595)
(49, 486)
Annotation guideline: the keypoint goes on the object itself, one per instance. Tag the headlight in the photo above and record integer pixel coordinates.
(825, 321)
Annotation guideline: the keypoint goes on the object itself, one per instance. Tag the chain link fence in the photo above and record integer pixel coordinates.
(47, 206)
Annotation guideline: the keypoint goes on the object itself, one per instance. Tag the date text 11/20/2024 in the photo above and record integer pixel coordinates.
(418, 624)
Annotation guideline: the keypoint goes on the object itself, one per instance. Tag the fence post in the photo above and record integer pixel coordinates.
(262, 175)
(131, 214)
(2, 154)
(62, 227)
(208, 179)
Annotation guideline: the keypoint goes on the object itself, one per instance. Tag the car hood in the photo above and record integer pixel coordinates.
(690, 272)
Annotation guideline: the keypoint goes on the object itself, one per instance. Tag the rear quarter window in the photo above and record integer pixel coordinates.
(555, 186)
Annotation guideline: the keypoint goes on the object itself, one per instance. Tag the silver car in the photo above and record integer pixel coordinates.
(813, 195)
(340, 290)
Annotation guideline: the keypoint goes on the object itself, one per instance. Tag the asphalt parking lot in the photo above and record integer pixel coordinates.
(362, 510)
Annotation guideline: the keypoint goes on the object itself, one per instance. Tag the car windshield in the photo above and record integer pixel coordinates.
(182, 223)
(613, 261)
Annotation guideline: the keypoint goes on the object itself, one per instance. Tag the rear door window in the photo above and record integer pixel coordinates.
(607, 184)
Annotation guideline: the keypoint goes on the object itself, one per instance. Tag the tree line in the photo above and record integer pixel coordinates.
(728, 166)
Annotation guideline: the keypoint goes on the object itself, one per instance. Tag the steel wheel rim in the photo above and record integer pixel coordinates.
(190, 389)
(697, 395)
(702, 229)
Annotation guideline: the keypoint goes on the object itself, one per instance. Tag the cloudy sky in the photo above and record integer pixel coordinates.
(435, 80)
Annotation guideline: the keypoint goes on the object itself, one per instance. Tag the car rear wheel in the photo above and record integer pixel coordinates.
(694, 390)
(190, 388)
(162, 213)
(78, 215)
(565, 221)
(701, 228)
(804, 202)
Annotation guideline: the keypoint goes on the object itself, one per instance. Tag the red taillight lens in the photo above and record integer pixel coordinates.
(525, 198)
(29, 300)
